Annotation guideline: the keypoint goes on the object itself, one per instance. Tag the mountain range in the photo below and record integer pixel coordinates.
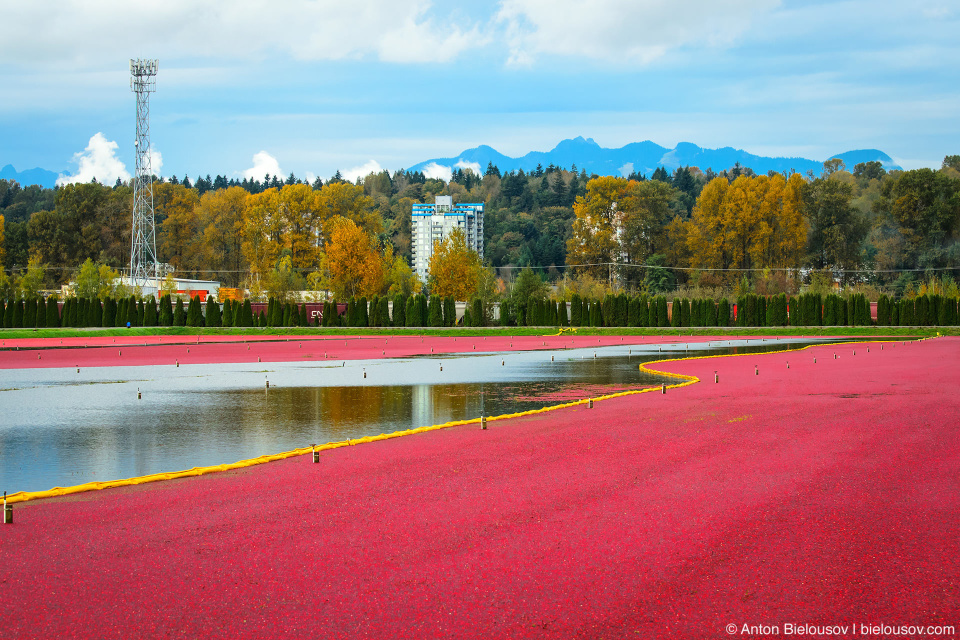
(644, 158)
(641, 157)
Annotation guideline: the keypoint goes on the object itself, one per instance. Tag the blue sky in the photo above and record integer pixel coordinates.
(310, 86)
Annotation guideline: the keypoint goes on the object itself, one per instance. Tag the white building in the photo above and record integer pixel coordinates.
(433, 222)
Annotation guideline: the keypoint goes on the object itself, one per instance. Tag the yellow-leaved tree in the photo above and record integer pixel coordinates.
(455, 268)
(354, 265)
(262, 227)
(593, 241)
(179, 236)
(755, 222)
(790, 227)
(301, 221)
(342, 199)
(220, 215)
(706, 239)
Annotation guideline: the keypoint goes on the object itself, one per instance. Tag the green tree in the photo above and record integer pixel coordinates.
(384, 304)
(213, 317)
(17, 316)
(399, 309)
(924, 206)
(30, 312)
(194, 313)
(30, 284)
(132, 311)
(449, 311)
(166, 311)
(179, 316)
(837, 229)
(52, 316)
(658, 279)
(410, 312)
(527, 287)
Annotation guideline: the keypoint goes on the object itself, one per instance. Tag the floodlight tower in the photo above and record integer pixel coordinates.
(143, 242)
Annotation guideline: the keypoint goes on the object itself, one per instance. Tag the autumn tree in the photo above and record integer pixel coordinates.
(179, 231)
(351, 259)
(753, 222)
(301, 221)
(342, 199)
(594, 241)
(262, 229)
(454, 268)
(220, 217)
(707, 237)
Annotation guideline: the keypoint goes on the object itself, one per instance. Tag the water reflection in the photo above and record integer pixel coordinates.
(62, 428)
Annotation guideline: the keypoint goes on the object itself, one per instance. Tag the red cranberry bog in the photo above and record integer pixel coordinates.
(810, 492)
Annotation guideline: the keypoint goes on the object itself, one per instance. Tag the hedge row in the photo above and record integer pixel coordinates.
(408, 311)
(131, 311)
(808, 309)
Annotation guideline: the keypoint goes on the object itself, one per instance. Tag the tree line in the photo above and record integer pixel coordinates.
(733, 231)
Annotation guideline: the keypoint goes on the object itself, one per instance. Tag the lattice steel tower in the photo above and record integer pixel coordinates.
(143, 242)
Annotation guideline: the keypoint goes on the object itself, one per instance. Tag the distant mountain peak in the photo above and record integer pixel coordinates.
(28, 177)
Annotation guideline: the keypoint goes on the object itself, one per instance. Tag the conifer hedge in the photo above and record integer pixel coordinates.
(399, 307)
(213, 317)
(723, 313)
(479, 317)
(410, 313)
(576, 310)
(179, 316)
(435, 312)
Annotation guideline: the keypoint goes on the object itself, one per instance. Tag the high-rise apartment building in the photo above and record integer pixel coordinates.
(433, 222)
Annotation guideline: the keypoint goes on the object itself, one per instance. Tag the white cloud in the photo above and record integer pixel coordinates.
(263, 164)
(99, 160)
(473, 166)
(626, 169)
(362, 171)
(434, 170)
(414, 41)
(621, 31)
(156, 162)
(86, 32)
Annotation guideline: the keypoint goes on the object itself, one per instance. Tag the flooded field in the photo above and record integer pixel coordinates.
(60, 427)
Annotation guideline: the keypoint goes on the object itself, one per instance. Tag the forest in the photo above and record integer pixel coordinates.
(715, 234)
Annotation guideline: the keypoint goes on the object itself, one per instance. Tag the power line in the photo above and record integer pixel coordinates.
(751, 269)
(14, 269)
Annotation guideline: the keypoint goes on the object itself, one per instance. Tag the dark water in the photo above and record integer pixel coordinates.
(60, 428)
